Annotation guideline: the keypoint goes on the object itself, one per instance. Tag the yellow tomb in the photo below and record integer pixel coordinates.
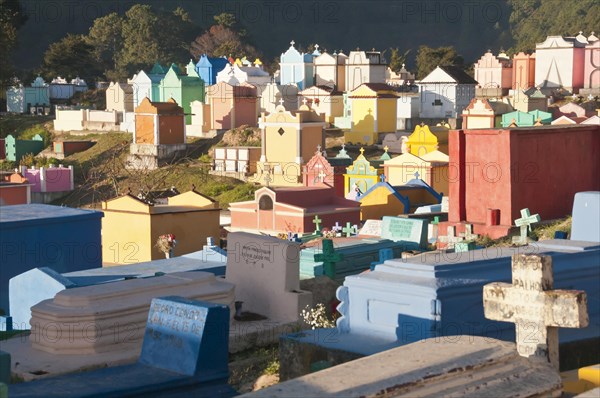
(374, 111)
(131, 226)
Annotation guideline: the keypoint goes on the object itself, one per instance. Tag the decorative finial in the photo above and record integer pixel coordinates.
(385, 148)
(417, 175)
(292, 43)
(316, 46)
(281, 101)
(304, 101)
(319, 148)
(362, 150)
(382, 177)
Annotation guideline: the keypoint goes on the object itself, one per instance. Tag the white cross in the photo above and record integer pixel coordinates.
(316, 47)
(337, 227)
(322, 176)
(281, 101)
(450, 239)
(468, 234)
(292, 43)
(525, 223)
(536, 309)
(268, 178)
(304, 101)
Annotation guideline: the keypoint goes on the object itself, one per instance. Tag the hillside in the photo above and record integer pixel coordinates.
(100, 172)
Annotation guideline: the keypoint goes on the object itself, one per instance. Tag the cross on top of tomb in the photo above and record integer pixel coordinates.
(362, 151)
(292, 43)
(468, 234)
(536, 309)
(305, 101)
(317, 221)
(382, 178)
(329, 257)
(525, 223)
(450, 239)
(319, 148)
(349, 229)
(281, 101)
(337, 227)
(417, 175)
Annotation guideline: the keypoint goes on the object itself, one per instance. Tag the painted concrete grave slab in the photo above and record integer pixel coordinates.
(412, 232)
(355, 255)
(111, 316)
(37, 235)
(39, 284)
(184, 349)
(586, 207)
(371, 228)
(439, 294)
(265, 271)
(463, 366)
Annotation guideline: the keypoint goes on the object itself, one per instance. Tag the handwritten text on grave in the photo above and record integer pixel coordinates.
(401, 228)
(254, 254)
(177, 318)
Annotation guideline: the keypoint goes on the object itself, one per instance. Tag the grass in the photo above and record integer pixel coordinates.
(101, 174)
(545, 231)
(540, 231)
(16, 125)
(247, 366)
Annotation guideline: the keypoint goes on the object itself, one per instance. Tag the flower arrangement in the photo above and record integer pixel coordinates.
(328, 234)
(317, 317)
(166, 243)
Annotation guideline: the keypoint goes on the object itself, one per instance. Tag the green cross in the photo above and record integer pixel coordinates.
(329, 257)
(525, 222)
(317, 221)
(348, 230)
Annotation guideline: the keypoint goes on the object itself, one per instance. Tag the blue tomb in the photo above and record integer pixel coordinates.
(586, 217)
(440, 294)
(38, 235)
(184, 353)
(38, 284)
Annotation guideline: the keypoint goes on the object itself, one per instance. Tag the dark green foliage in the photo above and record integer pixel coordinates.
(11, 19)
(531, 21)
(397, 59)
(429, 58)
(69, 58)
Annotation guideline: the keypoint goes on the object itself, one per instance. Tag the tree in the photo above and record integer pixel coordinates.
(12, 18)
(226, 20)
(70, 57)
(531, 21)
(397, 59)
(222, 41)
(429, 58)
(149, 37)
(105, 36)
